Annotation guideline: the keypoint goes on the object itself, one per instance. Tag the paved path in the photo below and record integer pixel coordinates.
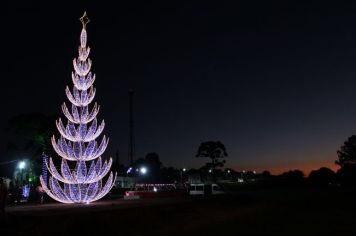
(59, 208)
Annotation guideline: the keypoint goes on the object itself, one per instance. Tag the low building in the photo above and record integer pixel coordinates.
(125, 182)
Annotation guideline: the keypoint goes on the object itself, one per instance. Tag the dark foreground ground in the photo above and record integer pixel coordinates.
(273, 211)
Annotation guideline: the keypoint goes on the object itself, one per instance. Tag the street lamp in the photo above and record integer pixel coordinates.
(22, 165)
(181, 175)
(242, 174)
(143, 170)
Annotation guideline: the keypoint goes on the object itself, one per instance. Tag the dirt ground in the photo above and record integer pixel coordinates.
(275, 211)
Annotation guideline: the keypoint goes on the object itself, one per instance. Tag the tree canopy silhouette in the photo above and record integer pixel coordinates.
(347, 174)
(152, 163)
(34, 129)
(293, 176)
(347, 152)
(323, 176)
(216, 151)
(347, 161)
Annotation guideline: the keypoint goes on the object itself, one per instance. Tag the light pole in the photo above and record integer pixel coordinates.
(21, 165)
(228, 174)
(181, 175)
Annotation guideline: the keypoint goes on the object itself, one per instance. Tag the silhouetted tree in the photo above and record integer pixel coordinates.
(153, 165)
(293, 176)
(347, 152)
(34, 130)
(347, 161)
(170, 175)
(214, 150)
(347, 174)
(31, 136)
(266, 174)
(323, 176)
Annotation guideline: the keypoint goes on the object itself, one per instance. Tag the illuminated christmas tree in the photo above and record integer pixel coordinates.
(82, 169)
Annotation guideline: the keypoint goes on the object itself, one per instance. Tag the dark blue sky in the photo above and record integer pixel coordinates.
(275, 82)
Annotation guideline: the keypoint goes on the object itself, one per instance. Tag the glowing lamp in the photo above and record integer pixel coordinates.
(22, 165)
(143, 170)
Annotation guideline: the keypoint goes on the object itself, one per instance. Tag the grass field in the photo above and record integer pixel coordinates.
(255, 211)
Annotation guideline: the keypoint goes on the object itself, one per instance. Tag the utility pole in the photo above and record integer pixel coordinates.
(131, 128)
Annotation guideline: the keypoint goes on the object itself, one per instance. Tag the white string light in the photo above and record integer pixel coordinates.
(78, 140)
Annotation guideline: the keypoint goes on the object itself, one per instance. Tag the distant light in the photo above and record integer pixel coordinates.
(240, 180)
(254, 172)
(143, 170)
(22, 165)
(129, 170)
(210, 171)
(228, 171)
(154, 189)
(26, 191)
(184, 169)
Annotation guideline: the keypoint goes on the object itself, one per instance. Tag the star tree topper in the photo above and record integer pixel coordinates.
(84, 19)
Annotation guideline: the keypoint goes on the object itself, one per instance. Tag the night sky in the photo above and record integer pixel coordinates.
(275, 82)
